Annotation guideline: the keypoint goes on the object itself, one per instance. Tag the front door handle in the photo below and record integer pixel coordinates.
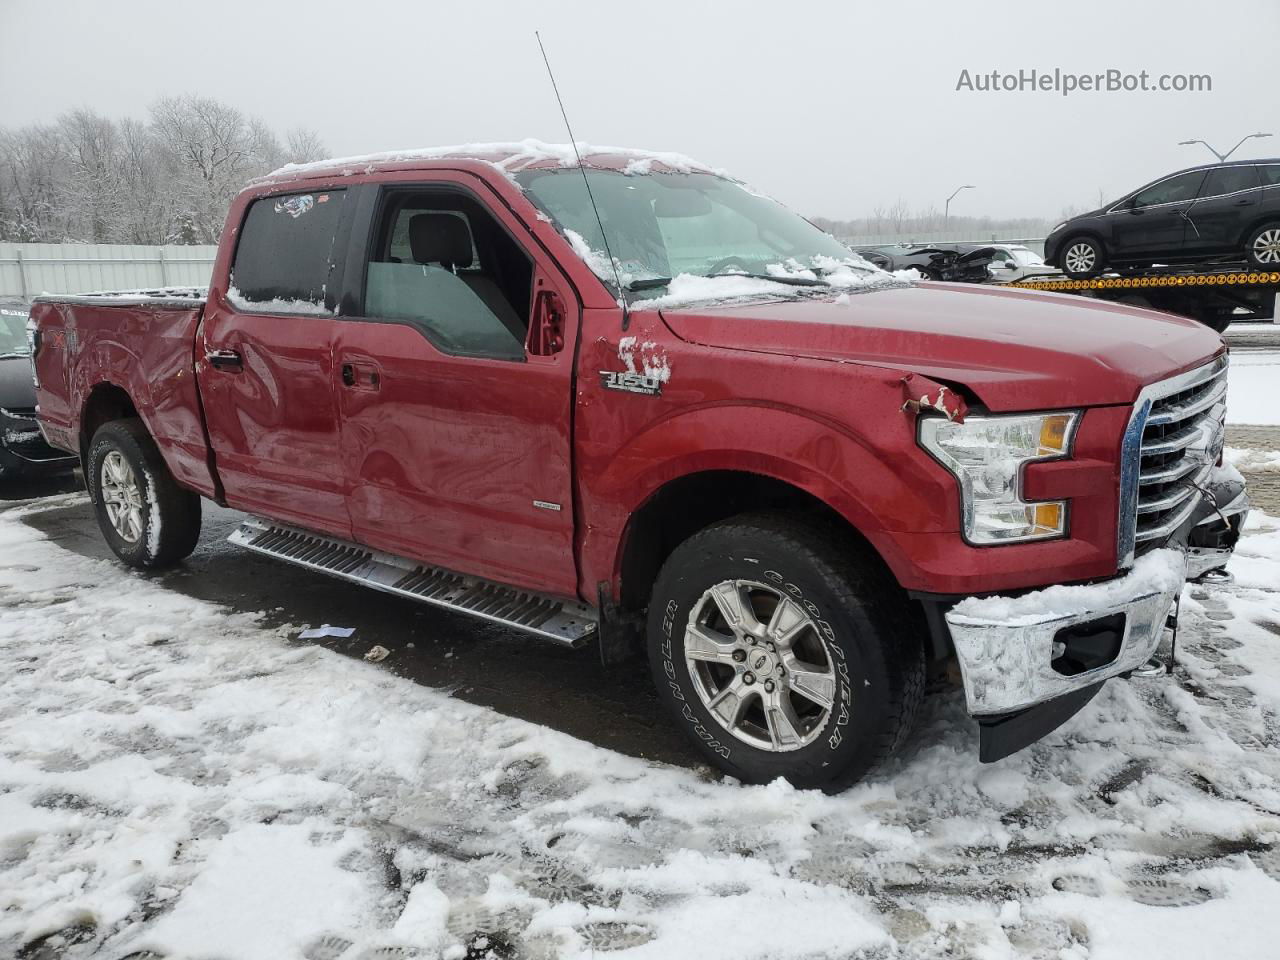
(229, 360)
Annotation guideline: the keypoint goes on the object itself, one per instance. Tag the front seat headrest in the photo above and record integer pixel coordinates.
(440, 238)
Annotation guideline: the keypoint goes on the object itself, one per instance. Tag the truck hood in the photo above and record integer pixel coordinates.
(16, 388)
(1014, 349)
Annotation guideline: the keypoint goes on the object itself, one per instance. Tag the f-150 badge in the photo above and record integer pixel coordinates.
(630, 382)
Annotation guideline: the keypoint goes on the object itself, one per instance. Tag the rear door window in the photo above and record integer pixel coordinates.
(1270, 174)
(1229, 180)
(285, 259)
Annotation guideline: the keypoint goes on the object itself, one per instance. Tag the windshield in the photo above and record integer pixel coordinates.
(664, 225)
(13, 333)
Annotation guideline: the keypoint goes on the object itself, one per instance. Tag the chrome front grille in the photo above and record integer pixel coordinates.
(1174, 438)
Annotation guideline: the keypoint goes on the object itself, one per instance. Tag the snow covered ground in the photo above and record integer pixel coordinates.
(179, 781)
(1253, 387)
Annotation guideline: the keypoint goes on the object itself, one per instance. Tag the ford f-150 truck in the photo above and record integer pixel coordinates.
(665, 412)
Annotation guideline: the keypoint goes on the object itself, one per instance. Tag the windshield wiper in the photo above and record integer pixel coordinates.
(648, 283)
(790, 281)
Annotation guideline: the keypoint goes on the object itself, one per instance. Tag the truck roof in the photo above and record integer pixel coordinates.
(509, 158)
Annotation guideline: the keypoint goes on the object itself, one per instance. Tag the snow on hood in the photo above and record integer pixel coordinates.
(509, 157)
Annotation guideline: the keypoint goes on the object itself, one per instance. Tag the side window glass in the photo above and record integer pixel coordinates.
(443, 263)
(1170, 191)
(285, 255)
(1270, 174)
(1229, 180)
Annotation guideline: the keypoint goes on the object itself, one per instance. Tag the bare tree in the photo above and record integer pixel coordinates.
(302, 145)
(88, 177)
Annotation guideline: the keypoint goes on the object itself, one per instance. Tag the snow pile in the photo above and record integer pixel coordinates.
(176, 778)
(1252, 461)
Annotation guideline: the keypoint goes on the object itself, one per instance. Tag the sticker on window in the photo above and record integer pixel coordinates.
(296, 206)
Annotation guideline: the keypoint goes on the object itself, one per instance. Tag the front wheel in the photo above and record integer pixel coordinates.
(1082, 257)
(146, 518)
(780, 654)
(1263, 247)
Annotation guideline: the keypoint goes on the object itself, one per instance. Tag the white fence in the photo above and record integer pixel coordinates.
(30, 269)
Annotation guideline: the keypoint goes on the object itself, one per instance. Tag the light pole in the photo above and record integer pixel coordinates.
(1223, 156)
(946, 210)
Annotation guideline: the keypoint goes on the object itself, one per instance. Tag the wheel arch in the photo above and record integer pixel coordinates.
(695, 500)
(104, 401)
(1255, 225)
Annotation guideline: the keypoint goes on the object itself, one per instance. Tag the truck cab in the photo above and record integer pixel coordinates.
(626, 400)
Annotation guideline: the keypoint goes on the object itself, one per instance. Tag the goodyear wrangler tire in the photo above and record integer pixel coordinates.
(781, 654)
(147, 519)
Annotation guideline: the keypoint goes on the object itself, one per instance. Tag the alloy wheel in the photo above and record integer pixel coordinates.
(121, 496)
(1080, 257)
(759, 665)
(1266, 246)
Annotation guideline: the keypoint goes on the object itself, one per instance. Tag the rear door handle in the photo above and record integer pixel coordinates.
(225, 360)
(1244, 203)
(348, 375)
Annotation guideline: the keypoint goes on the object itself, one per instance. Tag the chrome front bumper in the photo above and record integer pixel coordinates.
(1006, 645)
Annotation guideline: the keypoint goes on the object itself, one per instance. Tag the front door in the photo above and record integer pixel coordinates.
(265, 365)
(1153, 222)
(455, 438)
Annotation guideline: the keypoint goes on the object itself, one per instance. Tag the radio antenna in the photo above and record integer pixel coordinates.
(622, 299)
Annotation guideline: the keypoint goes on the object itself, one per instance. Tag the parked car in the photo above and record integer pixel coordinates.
(800, 483)
(934, 261)
(1218, 211)
(23, 450)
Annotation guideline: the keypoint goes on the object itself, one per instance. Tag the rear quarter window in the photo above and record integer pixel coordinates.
(285, 259)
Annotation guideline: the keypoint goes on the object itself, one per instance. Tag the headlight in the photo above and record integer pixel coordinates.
(987, 455)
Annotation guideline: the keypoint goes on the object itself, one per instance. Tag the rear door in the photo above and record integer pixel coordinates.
(1153, 223)
(455, 437)
(265, 364)
(1228, 201)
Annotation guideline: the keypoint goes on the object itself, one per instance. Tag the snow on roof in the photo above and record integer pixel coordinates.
(510, 158)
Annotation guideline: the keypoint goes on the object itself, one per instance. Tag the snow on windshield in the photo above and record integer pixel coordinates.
(681, 237)
(845, 276)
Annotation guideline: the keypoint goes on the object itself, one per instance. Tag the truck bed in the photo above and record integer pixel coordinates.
(128, 353)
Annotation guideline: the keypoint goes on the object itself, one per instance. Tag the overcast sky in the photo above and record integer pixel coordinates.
(833, 108)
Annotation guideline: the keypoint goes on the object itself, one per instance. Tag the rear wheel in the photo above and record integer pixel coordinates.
(781, 655)
(1082, 257)
(146, 518)
(1263, 247)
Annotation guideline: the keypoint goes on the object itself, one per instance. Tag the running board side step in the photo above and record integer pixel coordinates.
(566, 622)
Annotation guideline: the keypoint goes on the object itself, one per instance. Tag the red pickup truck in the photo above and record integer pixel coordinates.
(668, 413)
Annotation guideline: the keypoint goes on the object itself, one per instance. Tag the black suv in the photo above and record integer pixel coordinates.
(1217, 211)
